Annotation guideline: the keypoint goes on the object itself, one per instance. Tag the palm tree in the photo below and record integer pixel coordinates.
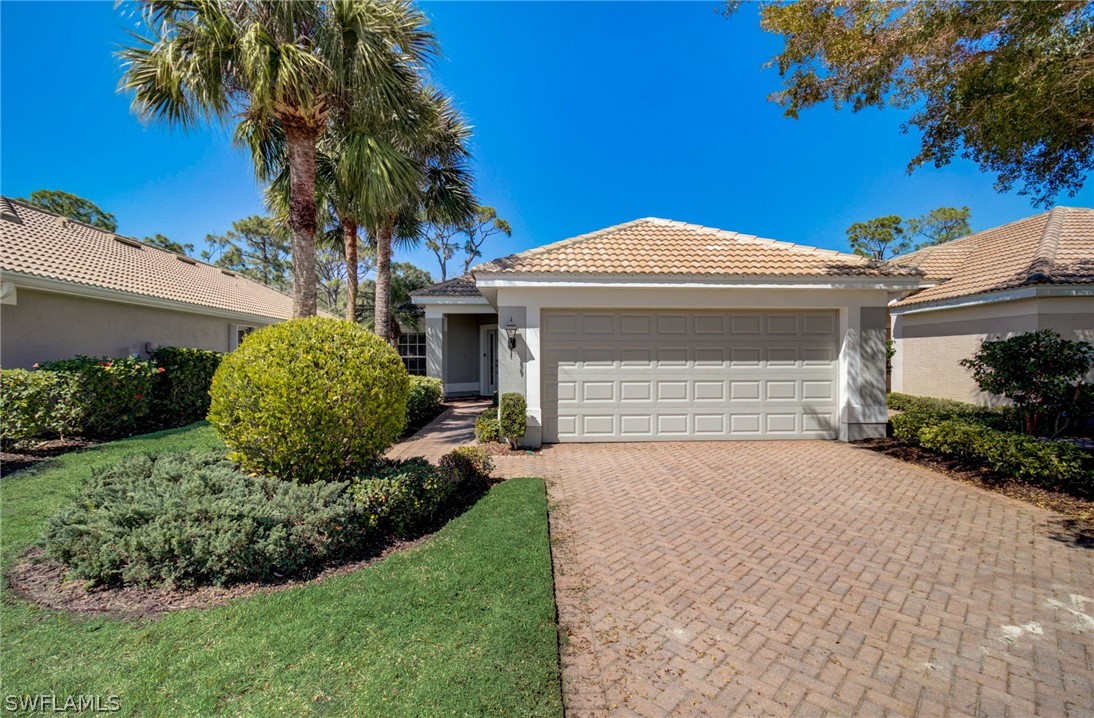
(278, 69)
(435, 142)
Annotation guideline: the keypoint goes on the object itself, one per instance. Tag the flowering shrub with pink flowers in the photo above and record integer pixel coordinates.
(103, 397)
(114, 394)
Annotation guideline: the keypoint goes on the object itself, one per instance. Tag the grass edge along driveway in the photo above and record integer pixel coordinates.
(461, 625)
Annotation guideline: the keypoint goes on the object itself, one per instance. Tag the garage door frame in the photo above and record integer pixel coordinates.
(588, 386)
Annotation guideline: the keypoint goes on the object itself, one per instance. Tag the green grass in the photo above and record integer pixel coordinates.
(463, 625)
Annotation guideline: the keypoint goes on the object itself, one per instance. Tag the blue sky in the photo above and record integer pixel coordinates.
(585, 115)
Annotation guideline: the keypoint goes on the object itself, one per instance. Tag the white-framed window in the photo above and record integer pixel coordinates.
(239, 333)
(412, 349)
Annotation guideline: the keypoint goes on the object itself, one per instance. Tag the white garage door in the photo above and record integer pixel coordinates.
(664, 375)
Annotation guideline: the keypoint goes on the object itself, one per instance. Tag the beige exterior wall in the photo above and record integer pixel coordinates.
(931, 344)
(43, 326)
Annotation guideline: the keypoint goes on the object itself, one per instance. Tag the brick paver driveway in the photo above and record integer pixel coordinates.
(808, 578)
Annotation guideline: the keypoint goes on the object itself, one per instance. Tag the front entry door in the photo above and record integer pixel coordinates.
(488, 370)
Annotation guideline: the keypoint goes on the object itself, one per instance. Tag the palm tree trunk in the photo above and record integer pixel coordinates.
(302, 220)
(383, 279)
(349, 235)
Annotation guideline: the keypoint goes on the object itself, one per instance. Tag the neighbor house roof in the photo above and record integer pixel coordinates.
(1054, 247)
(663, 247)
(41, 244)
(459, 287)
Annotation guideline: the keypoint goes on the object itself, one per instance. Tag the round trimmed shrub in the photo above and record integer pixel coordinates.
(309, 399)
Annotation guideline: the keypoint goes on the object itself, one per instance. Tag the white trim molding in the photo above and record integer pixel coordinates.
(423, 301)
(1037, 291)
(661, 281)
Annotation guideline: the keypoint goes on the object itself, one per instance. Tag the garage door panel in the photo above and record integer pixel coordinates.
(645, 375)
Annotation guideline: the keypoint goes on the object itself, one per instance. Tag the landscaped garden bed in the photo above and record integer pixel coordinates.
(288, 566)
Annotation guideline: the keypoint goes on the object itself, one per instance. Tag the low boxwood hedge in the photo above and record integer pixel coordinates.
(423, 403)
(487, 428)
(195, 518)
(979, 436)
(1057, 465)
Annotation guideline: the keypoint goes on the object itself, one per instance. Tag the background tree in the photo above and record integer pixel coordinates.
(1008, 85)
(73, 207)
(159, 240)
(277, 68)
(405, 278)
(879, 238)
(940, 225)
(256, 247)
(330, 270)
(886, 237)
(485, 224)
(442, 240)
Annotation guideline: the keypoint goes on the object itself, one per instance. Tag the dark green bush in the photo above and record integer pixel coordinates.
(923, 411)
(309, 399)
(908, 402)
(512, 417)
(1051, 464)
(38, 405)
(1040, 372)
(195, 518)
(113, 395)
(424, 402)
(181, 392)
(402, 498)
(487, 428)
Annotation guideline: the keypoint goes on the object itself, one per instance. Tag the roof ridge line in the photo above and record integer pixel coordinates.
(564, 242)
(754, 239)
(197, 261)
(1044, 258)
(961, 240)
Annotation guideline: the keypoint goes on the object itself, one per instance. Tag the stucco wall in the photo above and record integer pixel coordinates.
(866, 409)
(42, 326)
(930, 345)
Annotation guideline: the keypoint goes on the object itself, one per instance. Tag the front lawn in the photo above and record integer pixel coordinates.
(463, 625)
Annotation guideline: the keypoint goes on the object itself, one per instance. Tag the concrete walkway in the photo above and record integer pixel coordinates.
(454, 427)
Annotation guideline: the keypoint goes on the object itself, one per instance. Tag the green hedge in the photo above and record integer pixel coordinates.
(102, 397)
(424, 401)
(309, 399)
(115, 395)
(923, 411)
(512, 417)
(38, 404)
(402, 498)
(181, 393)
(195, 518)
(487, 428)
(1051, 464)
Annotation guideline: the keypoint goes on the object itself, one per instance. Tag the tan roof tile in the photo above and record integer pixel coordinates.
(1055, 247)
(42, 244)
(660, 246)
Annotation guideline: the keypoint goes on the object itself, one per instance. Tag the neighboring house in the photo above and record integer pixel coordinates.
(1036, 273)
(68, 289)
(658, 330)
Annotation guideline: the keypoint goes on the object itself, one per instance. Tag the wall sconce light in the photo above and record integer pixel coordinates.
(511, 332)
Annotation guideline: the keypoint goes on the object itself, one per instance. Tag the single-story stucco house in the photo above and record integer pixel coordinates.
(657, 330)
(67, 288)
(1036, 273)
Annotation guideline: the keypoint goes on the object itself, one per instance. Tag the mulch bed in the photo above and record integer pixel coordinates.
(18, 459)
(42, 582)
(1080, 511)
